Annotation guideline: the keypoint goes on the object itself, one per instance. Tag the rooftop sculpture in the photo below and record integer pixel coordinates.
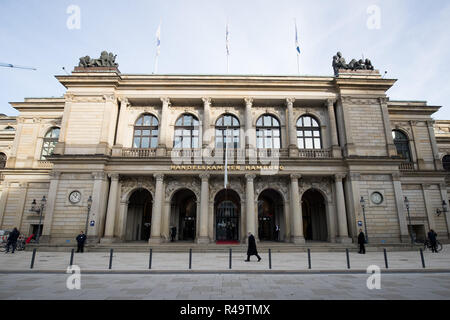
(339, 63)
(106, 60)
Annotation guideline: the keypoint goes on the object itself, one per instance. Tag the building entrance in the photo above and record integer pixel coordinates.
(314, 216)
(227, 206)
(184, 215)
(139, 216)
(270, 214)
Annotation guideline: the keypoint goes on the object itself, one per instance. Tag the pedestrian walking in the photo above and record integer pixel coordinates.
(252, 251)
(433, 241)
(173, 233)
(81, 239)
(12, 240)
(361, 242)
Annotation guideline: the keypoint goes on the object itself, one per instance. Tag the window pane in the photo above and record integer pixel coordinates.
(276, 133)
(314, 123)
(309, 143)
(259, 143)
(268, 144)
(227, 121)
(316, 133)
(218, 133)
(179, 122)
(154, 121)
(308, 133)
(137, 132)
(299, 133)
(136, 142)
(155, 133)
(145, 132)
(267, 121)
(275, 122)
(300, 122)
(187, 143)
(300, 144)
(235, 122)
(259, 122)
(178, 133)
(194, 142)
(186, 133)
(276, 143)
(187, 120)
(154, 143)
(317, 144)
(177, 143)
(195, 122)
(219, 122)
(147, 120)
(307, 121)
(145, 143)
(195, 133)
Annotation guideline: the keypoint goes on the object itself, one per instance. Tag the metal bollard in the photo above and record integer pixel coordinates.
(190, 258)
(71, 257)
(231, 252)
(309, 259)
(423, 259)
(348, 258)
(111, 258)
(150, 259)
(270, 259)
(385, 258)
(32, 258)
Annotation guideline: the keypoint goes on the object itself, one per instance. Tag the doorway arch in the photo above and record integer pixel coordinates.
(139, 216)
(270, 215)
(314, 216)
(227, 208)
(184, 215)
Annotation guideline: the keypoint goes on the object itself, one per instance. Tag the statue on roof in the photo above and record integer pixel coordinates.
(106, 60)
(339, 63)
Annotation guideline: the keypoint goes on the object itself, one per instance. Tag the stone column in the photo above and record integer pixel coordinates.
(419, 156)
(293, 146)
(204, 200)
(434, 147)
(96, 209)
(287, 221)
(155, 237)
(444, 196)
(206, 122)
(334, 142)
(250, 133)
(296, 208)
(391, 149)
(50, 207)
(341, 212)
(250, 203)
(398, 192)
(112, 209)
(428, 206)
(163, 128)
(344, 122)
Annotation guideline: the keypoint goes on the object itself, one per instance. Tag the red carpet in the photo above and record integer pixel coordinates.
(227, 242)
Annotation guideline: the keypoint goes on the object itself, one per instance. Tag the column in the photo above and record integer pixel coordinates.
(204, 200)
(293, 147)
(344, 122)
(398, 192)
(206, 122)
(163, 128)
(331, 221)
(3, 198)
(21, 205)
(296, 208)
(250, 133)
(341, 212)
(50, 206)
(112, 209)
(334, 142)
(96, 208)
(391, 149)
(155, 237)
(437, 161)
(287, 222)
(444, 196)
(108, 124)
(250, 204)
(428, 206)
(419, 156)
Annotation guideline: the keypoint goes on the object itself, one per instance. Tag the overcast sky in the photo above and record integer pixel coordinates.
(410, 40)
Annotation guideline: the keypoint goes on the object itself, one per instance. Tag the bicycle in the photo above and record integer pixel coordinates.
(427, 245)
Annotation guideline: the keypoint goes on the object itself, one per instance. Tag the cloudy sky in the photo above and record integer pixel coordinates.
(409, 39)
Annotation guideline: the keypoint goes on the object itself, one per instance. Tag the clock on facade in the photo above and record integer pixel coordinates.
(377, 198)
(75, 197)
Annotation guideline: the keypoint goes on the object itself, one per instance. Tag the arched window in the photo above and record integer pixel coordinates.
(3, 159)
(401, 142)
(268, 133)
(50, 141)
(146, 132)
(186, 132)
(446, 162)
(308, 133)
(227, 132)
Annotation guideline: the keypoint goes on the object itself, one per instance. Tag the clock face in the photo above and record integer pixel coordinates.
(75, 197)
(377, 198)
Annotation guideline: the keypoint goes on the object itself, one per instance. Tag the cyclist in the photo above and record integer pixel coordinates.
(433, 241)
(12, 240)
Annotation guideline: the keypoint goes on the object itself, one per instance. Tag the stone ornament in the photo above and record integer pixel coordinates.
(106, 60)
(339, 63)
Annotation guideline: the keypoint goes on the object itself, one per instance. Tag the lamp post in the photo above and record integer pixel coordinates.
(39, 210)
(89, 204)
(409, 217)
(444, 208)
(363, 205)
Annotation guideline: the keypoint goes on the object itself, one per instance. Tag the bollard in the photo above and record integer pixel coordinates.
(348, 258)
(423, 259)
(385, 259)
(150, 259)
(111, 258)
(309, 259)
(270, 259)
(190, 258)
(71, 257)
(231, 252)
(32, 258)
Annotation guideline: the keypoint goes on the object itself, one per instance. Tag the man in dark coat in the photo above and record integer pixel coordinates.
(432, 237)
(361, 242)
(81, 239)
(252, 251)
(12, 240)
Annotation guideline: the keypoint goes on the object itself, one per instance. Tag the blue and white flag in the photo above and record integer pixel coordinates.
(297, 45)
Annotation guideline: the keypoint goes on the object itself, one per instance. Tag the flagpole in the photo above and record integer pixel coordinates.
(228, 48)
(297, 47)
(158, 44)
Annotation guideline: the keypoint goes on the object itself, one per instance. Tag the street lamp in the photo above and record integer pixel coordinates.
(89, 204)
(39, 210)
(363, 205)
(444, 208)
(409, 217)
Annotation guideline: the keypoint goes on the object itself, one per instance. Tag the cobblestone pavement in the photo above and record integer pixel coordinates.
(431, 286)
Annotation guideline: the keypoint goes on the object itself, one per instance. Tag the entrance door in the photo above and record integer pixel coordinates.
(227, 221)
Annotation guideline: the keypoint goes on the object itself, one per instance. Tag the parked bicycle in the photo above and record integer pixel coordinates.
(427, 244)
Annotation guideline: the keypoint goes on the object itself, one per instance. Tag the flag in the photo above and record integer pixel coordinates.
(297, 45)
(158, 40)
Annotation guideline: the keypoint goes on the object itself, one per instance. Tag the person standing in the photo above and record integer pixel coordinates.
(361, 242)
(173, 233)
(433, 241)
(252, 251)
(12, 240)
(277, 232)
(81, 239)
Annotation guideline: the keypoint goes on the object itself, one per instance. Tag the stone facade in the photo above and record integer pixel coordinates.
(309, 193)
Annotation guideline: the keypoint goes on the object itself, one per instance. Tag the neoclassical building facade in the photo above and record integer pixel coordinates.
(293, 159)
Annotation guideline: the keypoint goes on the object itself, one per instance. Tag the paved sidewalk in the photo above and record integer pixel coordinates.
(320, 261)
